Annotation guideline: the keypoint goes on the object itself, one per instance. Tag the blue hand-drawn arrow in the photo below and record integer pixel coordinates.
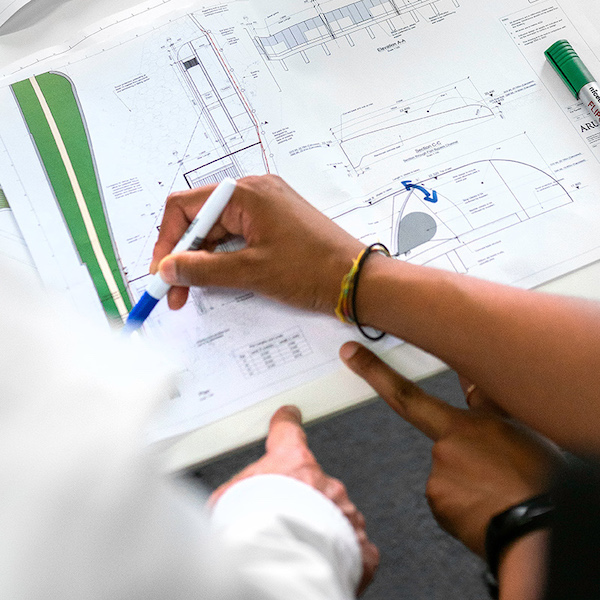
(427, 195)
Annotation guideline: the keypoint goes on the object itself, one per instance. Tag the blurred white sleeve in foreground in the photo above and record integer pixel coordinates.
(85, 513)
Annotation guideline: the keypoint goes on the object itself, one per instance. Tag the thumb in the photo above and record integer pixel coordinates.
(285, 429)
(202, 268)
(427, 413)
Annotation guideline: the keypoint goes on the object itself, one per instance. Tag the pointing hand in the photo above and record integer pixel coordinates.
(482, 462)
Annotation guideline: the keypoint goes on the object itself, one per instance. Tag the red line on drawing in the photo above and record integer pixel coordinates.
(237, 87)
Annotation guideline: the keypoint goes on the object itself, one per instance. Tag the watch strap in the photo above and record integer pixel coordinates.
(515, 522)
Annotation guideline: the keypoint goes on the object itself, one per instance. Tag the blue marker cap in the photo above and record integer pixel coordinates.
(139, 313)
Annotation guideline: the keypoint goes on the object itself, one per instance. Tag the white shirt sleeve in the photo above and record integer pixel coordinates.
(85, 512)
(278, 527)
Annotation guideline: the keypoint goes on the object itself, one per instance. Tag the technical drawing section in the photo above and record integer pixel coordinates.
(442, 215)
(328, 24)
(190, 124)
(367, 137)
(51, 110)
(233, 147)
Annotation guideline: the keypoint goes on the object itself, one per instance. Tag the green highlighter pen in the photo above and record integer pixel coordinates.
(575, 74)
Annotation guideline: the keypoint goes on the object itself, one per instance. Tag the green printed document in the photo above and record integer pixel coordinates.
(433, 126)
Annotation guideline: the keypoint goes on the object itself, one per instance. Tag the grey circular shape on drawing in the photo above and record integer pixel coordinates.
(415, 228)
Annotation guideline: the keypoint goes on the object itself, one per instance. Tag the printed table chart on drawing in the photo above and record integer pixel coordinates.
(260, 357)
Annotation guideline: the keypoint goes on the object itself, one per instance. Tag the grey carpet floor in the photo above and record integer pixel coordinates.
(384, 463)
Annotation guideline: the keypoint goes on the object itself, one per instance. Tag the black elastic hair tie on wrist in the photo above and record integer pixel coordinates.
(372, 248)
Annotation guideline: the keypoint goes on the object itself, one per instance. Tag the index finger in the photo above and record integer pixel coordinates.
(285, 429)
(427, 413)
(180, 210)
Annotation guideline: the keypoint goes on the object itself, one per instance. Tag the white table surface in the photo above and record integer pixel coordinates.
(44, 23)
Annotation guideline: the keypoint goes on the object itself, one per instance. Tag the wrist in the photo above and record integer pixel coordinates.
(522, 567)
(378, 275)
(346, 309)
(337, 266)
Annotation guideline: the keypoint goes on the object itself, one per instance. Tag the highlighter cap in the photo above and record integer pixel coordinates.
(569, 66)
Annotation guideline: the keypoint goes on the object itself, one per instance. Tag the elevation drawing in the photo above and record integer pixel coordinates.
(368, 137)
(331, 20)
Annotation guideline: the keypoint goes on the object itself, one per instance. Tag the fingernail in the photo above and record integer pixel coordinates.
(295, 410)
(168, 270)
(348, 350)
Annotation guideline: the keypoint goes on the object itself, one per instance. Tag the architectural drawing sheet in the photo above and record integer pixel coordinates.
(433, 126)
(13, 248)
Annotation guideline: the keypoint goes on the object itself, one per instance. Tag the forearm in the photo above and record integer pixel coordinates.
(531, 352)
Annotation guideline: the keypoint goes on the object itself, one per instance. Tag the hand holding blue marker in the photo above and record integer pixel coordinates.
(192, 240)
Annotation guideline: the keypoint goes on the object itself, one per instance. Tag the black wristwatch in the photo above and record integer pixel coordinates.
(513, 523)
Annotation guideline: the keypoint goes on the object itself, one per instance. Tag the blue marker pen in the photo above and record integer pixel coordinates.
(192, 240)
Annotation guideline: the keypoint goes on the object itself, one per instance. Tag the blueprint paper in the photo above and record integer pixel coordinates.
(104, 31)
(13, 247)
(433, 126)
